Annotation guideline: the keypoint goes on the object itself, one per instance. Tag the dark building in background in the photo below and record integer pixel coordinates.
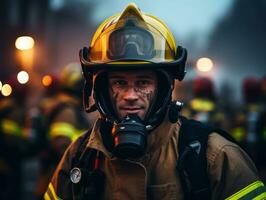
(238, 46)
(239, 40)
(57, 32)
(18, 18)
(70, 28)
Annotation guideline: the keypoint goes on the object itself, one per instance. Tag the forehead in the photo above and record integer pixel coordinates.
(133, 74)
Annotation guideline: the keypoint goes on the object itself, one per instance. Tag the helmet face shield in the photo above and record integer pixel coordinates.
(131, 43)
(131, 39)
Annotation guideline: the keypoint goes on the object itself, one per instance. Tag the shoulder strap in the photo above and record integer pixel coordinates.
(192, 163)
(80, 150)
(84, 161)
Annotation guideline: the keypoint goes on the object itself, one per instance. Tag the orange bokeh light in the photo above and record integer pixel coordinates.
(47, 80)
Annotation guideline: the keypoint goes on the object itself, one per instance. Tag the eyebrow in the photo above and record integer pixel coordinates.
(122, 77)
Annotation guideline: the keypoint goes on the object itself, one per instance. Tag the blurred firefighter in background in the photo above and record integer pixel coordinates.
(15, 142)
(246, 117)
(261, 130)
(203, 106)
(64, 120)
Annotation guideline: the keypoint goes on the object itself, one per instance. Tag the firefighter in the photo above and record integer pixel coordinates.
(245, 119)
(203, 105)
(63, 120)
(15, 144)
(132, 152)
(261, 130)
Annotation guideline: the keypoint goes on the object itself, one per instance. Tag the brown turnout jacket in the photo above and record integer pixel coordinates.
(231, 173)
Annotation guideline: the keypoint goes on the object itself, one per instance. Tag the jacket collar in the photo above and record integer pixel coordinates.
(161, 135)
(96, 141)
(155, 140)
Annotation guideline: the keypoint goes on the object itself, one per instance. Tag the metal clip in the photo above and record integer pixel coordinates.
(195, 146)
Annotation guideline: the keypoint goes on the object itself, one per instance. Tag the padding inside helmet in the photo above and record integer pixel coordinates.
(102, 97)
(163, 96)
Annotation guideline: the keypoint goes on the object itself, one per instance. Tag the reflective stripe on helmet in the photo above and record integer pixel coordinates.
(255, 190)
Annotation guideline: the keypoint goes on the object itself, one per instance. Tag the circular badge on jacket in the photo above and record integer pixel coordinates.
(75, 175)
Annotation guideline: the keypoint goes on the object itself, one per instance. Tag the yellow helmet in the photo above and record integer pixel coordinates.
(70, 79)
(132, 35)
(131, 40)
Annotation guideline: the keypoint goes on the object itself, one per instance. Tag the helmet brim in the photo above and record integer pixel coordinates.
(176, 67)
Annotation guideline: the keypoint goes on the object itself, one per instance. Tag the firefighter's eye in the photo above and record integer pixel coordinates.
(143, 83)
(119, 83)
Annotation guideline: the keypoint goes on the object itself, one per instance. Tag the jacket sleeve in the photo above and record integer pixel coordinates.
(233, 175)
(60, 186)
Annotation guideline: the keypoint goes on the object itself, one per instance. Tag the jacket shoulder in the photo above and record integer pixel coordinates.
(230, 169)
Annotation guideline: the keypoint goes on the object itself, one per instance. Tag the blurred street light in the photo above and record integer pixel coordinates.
(6, 90)
(25, 52)
(24, 43)
(204, 64)
(47, 80)
(1, 85)
(23, 77)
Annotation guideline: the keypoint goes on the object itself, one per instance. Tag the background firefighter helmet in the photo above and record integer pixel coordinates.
(132, 40)
(203, 87)
(263, 89)
(251, 90)
(70, 79)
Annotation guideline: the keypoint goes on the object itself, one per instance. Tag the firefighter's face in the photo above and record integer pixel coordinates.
(132, 91)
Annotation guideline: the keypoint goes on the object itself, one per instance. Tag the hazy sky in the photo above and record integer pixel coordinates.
(184, 17)
(187, 19)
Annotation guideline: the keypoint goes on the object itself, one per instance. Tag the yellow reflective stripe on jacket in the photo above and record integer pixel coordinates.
(202, 105)
(261, 196)
(46, 197)
(64, 129)
(239, 133)
(11, 127)
(50, 193)
(264, 133)
(247, 193)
